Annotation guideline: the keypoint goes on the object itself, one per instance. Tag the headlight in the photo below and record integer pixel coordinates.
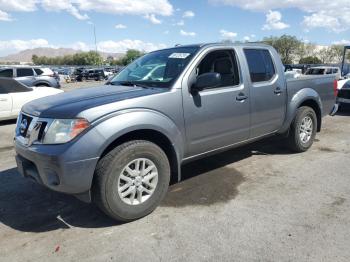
(64, 130)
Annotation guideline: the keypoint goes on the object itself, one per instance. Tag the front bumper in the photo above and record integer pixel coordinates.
(343, 96)
(53, 167)
(341, 100)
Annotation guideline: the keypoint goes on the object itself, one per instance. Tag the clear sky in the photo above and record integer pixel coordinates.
(153, 24)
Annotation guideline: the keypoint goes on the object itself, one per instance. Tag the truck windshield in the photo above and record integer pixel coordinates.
(157, 69)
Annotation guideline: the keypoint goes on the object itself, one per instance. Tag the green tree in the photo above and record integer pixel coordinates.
(305, 50)
(130, 56)
(337, 51)
(116, 62)
(285, 45)
(86, 58)
(310, 60)
(35, 59)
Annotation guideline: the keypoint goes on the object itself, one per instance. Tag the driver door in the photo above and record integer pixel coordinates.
(219, 116)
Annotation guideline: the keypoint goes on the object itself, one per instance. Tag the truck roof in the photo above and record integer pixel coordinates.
(202, 45)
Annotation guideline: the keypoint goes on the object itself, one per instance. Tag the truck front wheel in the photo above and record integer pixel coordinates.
(131, 180)
(303, 129)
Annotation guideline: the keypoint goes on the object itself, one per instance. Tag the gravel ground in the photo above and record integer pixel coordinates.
(75, 85)
(256, 203)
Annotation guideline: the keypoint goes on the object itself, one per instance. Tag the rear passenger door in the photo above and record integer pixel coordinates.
(25, 76)
(267, 92)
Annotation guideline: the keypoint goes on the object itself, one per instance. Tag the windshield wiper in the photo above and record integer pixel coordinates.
(129, 83)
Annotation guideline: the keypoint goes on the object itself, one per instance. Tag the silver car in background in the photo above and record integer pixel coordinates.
(32, 76)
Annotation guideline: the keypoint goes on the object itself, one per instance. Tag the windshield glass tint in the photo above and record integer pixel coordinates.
(157, 69)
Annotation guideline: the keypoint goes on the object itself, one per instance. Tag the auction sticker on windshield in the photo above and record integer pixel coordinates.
(179, 55)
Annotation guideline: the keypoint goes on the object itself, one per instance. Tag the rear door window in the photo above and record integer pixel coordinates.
(6, 73)
(21, 72)
(38, 71)
(261, 67)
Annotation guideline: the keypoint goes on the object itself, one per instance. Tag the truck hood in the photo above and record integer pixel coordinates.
(70, 104)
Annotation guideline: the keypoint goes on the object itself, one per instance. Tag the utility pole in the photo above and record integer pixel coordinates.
(95, 38)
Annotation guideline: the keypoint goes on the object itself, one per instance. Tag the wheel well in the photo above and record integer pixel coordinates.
(155, 137)
(42, 84)
(313, 104)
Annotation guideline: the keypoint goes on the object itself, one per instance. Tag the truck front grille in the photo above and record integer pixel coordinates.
(30, 129)
(24, 123)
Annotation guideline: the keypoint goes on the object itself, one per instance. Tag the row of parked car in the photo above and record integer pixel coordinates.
(71, 74)
(21, 84)
(295, 71)
(32, 76)
(44, 76)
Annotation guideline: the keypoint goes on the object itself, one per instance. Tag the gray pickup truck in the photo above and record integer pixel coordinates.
(120, 145)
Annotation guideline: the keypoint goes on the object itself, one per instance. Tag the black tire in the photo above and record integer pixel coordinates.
(108, 171)
(294, 141)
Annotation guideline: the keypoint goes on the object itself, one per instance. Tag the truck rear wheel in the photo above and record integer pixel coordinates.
(131, 180)
(303, 129)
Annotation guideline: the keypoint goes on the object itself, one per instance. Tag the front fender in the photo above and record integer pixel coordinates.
(303, 95)
(114, 126)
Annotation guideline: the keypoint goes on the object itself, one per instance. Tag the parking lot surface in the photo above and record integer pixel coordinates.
(255, 203)
(77, 85)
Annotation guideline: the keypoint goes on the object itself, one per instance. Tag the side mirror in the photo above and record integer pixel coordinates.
(206, 80)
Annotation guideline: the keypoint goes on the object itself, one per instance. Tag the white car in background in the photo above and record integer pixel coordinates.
(295, 73)
(324, 70)
(13, 95)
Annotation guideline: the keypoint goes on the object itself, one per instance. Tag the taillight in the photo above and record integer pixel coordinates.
(335, 87)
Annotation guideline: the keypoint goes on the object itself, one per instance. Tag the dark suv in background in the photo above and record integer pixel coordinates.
(90, 74)
(32, 76)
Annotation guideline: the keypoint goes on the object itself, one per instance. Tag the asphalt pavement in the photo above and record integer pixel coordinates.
(255, 203)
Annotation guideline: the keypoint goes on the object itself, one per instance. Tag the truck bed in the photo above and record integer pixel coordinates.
(323, 85)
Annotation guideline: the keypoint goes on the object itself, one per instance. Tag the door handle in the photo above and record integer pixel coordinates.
(278, 91)
(241, 97)
(3, 99)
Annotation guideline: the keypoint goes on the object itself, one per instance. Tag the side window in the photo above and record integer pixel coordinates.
(223, 62)
(38, 71)
(6, 73)
(261, 67)
(24, 72)
(329, 71)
